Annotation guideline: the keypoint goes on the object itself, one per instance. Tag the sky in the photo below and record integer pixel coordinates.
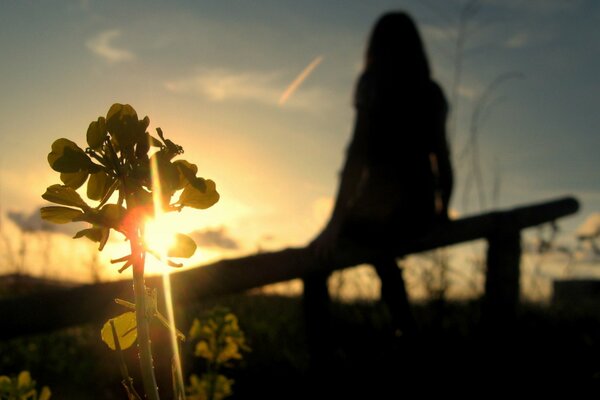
(213, 74)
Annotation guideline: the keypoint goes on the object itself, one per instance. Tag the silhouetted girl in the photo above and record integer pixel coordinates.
(397, 178)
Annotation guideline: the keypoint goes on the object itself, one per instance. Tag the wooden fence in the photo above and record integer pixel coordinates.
(94, 303)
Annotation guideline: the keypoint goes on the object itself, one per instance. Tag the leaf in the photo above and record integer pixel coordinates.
(145, 123)
(154, 142)
(119, 112)
(187, 173)
(142, 145)
(98, 185)
(94, 234)
(112, 215)
(105, 234)
(59, 215)
(143, 198)
(64, 195)
(74, 179)
(183, 246)
(96, 133)
(122, 123)
(168, 173)
(66, 156)
(171, 149)
(193, 197)
(125, 325)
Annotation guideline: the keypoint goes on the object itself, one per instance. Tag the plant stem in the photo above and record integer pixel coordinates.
(143, 332)
(127, 380)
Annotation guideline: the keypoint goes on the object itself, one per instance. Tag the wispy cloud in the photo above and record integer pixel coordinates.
(33, 223)
(468, 92)
(102, 45)
(536, 7)
(215, 238)
(30, 223)
(224, 85)
(517, 41)
(438, 33)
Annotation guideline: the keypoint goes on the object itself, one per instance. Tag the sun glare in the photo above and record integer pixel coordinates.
(159, 234)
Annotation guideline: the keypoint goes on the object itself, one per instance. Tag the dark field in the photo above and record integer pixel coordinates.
(548, 349)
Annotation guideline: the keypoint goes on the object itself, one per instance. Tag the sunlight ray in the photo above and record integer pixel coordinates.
(163, 247)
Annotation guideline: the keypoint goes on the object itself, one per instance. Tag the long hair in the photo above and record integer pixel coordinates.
(396, 47)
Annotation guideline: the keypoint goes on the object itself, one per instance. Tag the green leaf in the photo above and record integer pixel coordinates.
(74, 179)
(96, 133)
(168, 174)
(66, 156)
(64, 195)
(183, 246)
(94, 234)
(122, 123)
(119, 112)
(112, 215)
(105, 234)
(126, 328)
(145, 123)
(98, 185)
(196, 198)
(187, 173)
(143, 198)
(154, 142)
(171, 149)
(59, 215)
(142, 145)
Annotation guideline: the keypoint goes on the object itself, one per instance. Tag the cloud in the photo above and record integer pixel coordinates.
(216, 238)
(30, 223)
(224, 85)
(102, 46)
(438, 33)
(536, 7)
(517, 41)
(468, 92)
(33, 223)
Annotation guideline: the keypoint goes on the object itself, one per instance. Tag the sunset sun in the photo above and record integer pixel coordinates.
(159, 235)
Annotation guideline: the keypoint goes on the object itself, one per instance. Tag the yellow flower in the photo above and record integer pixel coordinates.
(231, 351)
(202, 350)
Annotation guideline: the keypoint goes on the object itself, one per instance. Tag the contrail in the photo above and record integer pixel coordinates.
(299, 79)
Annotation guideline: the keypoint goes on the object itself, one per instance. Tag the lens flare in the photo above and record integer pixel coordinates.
(160, 232)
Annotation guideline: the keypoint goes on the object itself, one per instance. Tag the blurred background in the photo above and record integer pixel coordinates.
(259, 94)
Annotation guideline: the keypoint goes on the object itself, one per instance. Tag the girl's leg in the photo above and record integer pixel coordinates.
(317, 316)
(394, 295)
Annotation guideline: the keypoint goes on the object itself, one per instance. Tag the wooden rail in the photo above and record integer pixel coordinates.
(94, 303)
